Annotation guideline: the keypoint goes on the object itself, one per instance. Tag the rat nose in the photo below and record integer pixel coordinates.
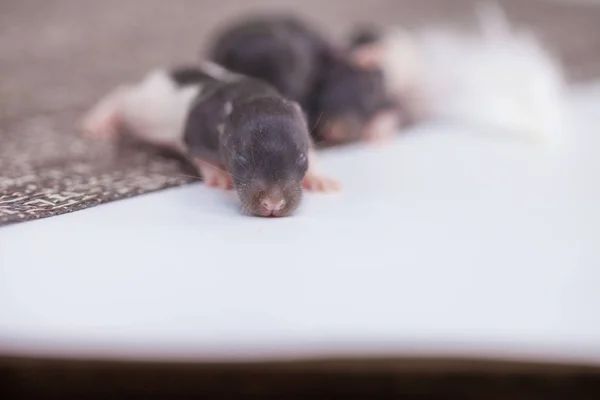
(271, 205)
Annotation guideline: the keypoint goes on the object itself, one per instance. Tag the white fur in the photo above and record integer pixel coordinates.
(219, 73)
(401, 61)
(156, 108)
(500, 79)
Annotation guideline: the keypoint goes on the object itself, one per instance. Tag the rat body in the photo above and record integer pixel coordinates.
(280, 50)
(499, 78)
(398, 62)
(344, 100)
(240, 132)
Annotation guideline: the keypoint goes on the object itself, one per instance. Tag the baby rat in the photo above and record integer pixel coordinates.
(397, 58)
(350, 103)
(345, 101)
(279, 49)
(497, 77)
(240, 132)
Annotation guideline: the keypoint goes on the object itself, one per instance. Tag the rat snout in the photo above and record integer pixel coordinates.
(273, 203)
(274, 200)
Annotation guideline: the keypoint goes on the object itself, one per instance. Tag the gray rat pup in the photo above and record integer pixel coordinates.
(240, 132)
(345, 101)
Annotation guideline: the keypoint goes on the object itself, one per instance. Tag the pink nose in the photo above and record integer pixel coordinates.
(273, 205)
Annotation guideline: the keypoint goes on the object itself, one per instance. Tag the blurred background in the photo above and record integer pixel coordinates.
(65, 53)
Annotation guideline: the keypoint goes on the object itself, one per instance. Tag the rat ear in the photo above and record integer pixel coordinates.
(367, 56)
(364, 35)
(365, 48)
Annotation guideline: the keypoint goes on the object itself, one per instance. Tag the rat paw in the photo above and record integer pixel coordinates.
(104, 120)
(99, 125)
(214, 177)
(383, 129)
(320, 183)
(381, 138)
(417, 106)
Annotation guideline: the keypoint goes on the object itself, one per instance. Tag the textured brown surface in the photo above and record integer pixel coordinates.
(58, 57)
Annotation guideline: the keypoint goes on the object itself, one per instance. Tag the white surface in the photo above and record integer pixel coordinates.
(444, 243)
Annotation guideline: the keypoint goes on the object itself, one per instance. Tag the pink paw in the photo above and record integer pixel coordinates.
(101, 125)
(383, 128)
(320, 183)
(214, 176)
(104, 120)
(381, 138)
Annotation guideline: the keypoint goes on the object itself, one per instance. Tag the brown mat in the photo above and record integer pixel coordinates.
(58, 57)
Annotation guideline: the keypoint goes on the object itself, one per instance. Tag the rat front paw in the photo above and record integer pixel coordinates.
(214, 177)
(383, 128)
(320, 183)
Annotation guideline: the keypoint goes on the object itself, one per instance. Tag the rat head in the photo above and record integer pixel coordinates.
(266, 152)
(277, 48)
(347, 98)
(365, 46)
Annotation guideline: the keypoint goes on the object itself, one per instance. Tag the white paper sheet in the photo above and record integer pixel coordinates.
(444, 243)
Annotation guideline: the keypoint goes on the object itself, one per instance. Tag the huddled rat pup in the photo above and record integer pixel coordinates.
(344, 99)
(397, 59)
(280, 50)
(349, 103)
(240, 132)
